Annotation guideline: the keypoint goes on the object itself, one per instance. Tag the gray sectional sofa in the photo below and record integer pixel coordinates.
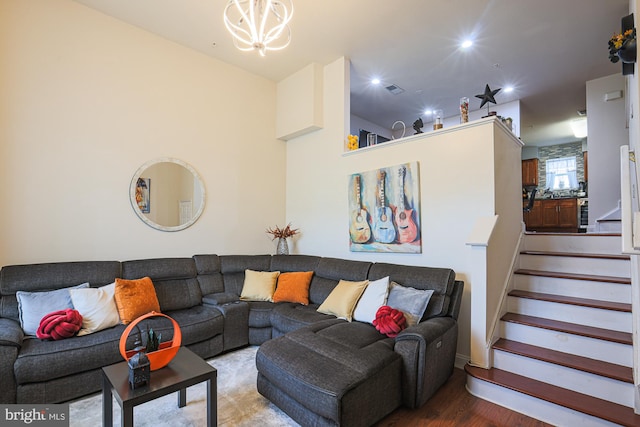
(319, 369)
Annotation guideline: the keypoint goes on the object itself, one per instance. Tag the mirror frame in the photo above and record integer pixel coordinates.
(150, 223)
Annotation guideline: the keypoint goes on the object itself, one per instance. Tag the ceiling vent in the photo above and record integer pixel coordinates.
(394, 89)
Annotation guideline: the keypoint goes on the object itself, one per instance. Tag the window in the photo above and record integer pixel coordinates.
(561, 173)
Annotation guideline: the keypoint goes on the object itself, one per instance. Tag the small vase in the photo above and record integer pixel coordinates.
(627, 52)
(283, 247)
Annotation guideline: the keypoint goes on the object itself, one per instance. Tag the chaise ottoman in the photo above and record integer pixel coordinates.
(331, 373)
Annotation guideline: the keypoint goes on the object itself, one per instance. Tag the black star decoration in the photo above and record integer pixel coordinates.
(488, 95)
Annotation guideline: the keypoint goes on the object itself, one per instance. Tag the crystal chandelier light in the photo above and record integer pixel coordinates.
(260, 25)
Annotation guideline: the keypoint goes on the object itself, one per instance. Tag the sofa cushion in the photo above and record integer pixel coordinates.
(330, 271)
(260, 314)
(97, 306)
(259, 285)
(135, 298)
(439, 279)
(412, 302)
(33, 306)
(175, 280)
(51, 276)
(374, 297)
(233, 267)
(209, 274)
(293, 287)
(286, 263)
(342, 300)
(81, 354)
(287, 317)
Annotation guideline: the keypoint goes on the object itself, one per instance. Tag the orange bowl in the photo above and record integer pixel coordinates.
(168, 349)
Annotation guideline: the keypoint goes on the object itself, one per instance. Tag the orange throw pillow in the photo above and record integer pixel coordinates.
(293, 287)
(135, 298)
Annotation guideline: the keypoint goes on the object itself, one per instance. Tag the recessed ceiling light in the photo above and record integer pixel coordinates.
(375, 81)
(428, 112)
(466, 44)
(508, 89)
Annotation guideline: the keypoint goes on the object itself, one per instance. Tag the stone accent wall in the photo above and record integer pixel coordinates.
(555, 152)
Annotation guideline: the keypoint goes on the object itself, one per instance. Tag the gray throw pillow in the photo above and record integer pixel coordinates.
(33, 306)
(412, 302)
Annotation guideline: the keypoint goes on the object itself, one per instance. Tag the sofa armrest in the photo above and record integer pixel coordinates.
(219, 298)
(428, 352)
(11, 333)
(11, 336)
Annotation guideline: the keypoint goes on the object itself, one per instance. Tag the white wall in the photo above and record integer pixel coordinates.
(86, 100)
(457, 185)
(607, 132)
(357, 123)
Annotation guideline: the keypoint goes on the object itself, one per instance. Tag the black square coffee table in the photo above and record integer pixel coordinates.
(186, 369)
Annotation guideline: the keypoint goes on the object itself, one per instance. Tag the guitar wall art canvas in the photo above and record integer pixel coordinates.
(384, 210)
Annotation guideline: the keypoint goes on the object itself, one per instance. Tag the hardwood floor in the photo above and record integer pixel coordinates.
(453, 406)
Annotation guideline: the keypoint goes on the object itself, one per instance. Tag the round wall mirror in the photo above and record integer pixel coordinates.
(167, 194)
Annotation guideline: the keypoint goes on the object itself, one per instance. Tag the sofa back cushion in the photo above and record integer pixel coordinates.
(51, 276)
(233, 267)
(175, 280)
(330, 271)
(440, 280)
(209, 274)
(288, 263)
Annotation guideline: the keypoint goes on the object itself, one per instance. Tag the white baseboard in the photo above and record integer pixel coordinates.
(461, 360)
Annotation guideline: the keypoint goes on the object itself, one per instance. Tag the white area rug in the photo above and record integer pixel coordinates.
(239, 403)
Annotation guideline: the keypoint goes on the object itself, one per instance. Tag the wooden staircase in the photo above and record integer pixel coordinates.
(565, 352)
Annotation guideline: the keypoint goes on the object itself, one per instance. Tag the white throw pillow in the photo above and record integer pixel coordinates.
(97, 307)
(374, 297)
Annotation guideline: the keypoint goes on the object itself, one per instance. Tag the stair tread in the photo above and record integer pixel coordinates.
(578, 255)
(575, 276)
(585, 364)
(583, 302)
(599, 408)
(548, 233)
(571, 328)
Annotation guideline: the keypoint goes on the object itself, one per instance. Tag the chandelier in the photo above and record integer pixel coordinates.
(260, 25)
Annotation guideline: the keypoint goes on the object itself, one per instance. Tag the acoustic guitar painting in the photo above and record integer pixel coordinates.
(407, 228)
(359, 227)
(383, 230)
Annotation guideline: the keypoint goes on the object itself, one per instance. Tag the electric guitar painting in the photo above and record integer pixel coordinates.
(359, 228)
(407, 228)
(383, 231)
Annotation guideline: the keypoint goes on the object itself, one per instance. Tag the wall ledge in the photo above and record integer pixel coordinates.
(435, 133)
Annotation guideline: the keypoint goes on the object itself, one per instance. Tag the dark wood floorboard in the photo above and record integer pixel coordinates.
(453, 406)
(575, 276)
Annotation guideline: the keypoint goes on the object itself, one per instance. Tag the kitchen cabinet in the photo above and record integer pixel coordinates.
(585, 159)
(533, 218)
(559, 215)
(530, 172)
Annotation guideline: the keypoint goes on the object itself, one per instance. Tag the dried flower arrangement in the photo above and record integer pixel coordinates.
(618, 41)
(282, 233)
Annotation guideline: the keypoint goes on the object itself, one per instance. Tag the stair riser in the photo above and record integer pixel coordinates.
(597, 266)
(620, 354)
(583, 382)
(537, 408)
(609, 227)
(613, 292)
(598, 318)
(593, 244)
